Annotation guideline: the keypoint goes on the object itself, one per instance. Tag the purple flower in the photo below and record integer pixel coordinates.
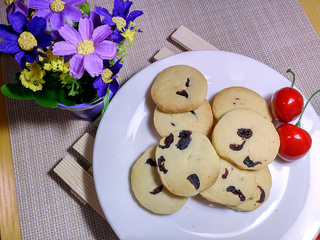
(17, 6)
(23, 37)
(120, 18)
(108, 78)
(56, 10)
(87, 47)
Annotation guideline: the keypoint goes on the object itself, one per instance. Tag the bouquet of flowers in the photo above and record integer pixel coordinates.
(68, 53)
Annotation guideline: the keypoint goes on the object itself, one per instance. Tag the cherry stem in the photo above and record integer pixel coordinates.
(304, 108)
(294, 76)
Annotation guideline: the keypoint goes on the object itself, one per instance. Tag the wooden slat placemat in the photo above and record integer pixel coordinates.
(277, 33)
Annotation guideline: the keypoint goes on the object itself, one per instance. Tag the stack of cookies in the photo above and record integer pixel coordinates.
(230, 169)
(247, 142)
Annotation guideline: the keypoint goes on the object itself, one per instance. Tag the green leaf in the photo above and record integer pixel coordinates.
(105, 102)
(85, 7)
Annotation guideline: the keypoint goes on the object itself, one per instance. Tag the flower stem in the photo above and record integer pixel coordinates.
(294, 77)
(304, 108)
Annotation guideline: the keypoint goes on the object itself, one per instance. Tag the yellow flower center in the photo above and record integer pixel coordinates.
(85, 47)
(120, 22)
(27, 41)
(106, 76)
(57, 6)
(8, 2)
(128, 35)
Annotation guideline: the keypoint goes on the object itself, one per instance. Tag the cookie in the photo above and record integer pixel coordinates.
(246, 138)
(261, 193)
(233, 186)
(179, 89)
(200, 120)
(148, 188)
(239, 97)
(187, 162)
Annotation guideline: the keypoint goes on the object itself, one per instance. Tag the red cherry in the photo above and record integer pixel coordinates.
(286, 104)
(294, 142)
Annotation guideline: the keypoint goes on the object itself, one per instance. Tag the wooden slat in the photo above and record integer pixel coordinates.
(190, 41)
(80, 181)
(312, 9)
(84, 146)
(163, 53)
(9, 215)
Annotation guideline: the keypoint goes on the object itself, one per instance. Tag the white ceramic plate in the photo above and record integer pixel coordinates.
(126, 131)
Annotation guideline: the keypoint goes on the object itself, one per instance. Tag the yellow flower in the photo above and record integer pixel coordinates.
(8, 2)
(32, 77)
(128, 35)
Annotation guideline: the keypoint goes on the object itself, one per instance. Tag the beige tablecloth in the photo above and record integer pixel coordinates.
(276, 32)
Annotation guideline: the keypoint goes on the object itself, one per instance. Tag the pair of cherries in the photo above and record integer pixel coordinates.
(286, 105)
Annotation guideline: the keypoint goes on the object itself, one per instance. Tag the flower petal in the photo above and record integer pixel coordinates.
(103, 12)
(118, 8)
(101, 33)
(73, 12)
(57, 20)
(36, 4)
(31, 56)
(133, 15)
(100, 86)
(18, 21)
(44, 40)
(85, 28)
(76, 67)
(93, 64)
(106, 50)
(75, 2)
(116, 36)
(64, 48)
(70, 34)
(44, 13)
(9, 47)
(95, 17)
(7, 33)
(114, 86)
(127, 5)
(20, 58)
(37, 25)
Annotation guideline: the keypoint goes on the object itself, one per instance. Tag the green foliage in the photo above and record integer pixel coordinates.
(52, 92)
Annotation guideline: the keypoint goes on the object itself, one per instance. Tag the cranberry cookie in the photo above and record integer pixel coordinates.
(149, 190)
(200, 120)
(179, 89)
(239, 97)
(187, 162)
(246, 138)
(261, 193)
(233, 186)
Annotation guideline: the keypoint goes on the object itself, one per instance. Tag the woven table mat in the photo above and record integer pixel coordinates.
(277, 33)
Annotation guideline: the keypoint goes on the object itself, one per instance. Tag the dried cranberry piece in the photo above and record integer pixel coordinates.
(225, 175)
(183, 93)
(188, 82)
(156, 190)
(184, 140)
(244, 133)
(193, 112)
(262, 195)
(167, 141)
(249, 163)
(194, 180)
(237, 147)
(235, 191)
(161, 167)
(151, 162)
